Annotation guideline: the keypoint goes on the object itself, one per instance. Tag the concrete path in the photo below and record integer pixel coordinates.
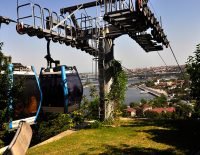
(55, 138)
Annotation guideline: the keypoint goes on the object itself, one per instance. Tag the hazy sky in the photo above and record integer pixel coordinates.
(180, 19)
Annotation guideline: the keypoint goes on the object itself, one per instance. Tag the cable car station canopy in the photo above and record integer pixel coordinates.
(74, 27)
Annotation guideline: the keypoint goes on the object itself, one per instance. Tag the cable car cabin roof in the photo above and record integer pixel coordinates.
(57, 70)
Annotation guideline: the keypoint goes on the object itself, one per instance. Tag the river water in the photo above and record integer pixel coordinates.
(132, 94)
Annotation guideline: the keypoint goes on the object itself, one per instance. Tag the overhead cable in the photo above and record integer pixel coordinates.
(162, 59)
(176, 59)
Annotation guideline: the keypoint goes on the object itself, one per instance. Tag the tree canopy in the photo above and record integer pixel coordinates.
(3, 86)
(193, 69)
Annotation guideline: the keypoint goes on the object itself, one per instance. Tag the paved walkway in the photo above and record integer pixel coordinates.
(55, 138)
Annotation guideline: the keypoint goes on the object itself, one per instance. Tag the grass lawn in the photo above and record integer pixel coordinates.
(132, 137)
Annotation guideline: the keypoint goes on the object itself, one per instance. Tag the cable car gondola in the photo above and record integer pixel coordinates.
(61, 88)
(27, 106)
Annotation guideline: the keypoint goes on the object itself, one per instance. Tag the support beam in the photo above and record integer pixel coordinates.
(73, 17)
(105, 79)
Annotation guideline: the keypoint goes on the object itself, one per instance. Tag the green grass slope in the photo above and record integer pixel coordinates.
(131, 137)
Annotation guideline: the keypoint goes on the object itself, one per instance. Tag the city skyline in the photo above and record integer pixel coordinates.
(178, 22)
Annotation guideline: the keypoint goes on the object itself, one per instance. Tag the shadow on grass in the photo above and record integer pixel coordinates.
(188, 142)
(149, 122)
(128, 150)
(181, 134)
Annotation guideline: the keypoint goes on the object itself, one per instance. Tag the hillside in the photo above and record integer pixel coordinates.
(131, 137)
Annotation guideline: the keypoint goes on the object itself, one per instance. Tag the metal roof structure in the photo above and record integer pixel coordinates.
(74, 27)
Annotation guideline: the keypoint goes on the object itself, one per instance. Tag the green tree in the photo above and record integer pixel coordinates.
(193, 69)
(3, 94)
(151, 114)
(160, 101)
(118, 87)
(93, 91)
(149, 83)
(143, 101)
(3, 87)
(134, 104)
(183, 111)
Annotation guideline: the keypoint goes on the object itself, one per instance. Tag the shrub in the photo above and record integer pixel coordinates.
(96, 124)
(77, 117)
(152, 114)
(50, 125)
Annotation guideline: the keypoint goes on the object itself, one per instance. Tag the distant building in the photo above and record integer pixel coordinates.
(130, 111)
(163, 110)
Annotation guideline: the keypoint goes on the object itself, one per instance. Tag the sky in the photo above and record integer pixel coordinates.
(180, 21)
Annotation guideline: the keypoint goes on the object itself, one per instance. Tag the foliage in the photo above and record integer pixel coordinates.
(175, 100)
(93, 92)
(77, 117)
(96, 124)
(118, 88)
(143, 101)
(122, 112)
(158, 116)
(167, 115)
(134, 104)
(139, 113)
(4, 86)
(89, 109)
(51, 124)
(151, 114)
(183, 111)
(149, 83)
(159, 101)
(105, 123)
(193, 69)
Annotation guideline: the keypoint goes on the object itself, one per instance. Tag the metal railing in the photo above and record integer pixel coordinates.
(43, 19)
(117, 5)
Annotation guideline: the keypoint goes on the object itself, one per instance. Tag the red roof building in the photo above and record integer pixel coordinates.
(160, 110)
(130, 111)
